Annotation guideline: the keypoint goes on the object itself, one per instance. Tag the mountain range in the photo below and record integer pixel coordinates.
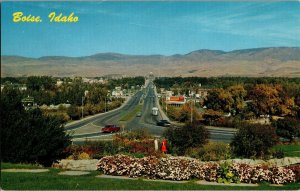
(272, 61)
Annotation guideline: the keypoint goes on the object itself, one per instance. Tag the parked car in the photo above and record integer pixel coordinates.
(164, 123)
(110, 129)
(139, 114)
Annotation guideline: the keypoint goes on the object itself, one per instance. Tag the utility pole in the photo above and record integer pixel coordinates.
(192, 101)
(82, 107)
(166, 106)
(105, 104)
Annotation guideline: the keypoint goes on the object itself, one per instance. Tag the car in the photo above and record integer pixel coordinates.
(164, 123)
(139, 114)
(110, 129)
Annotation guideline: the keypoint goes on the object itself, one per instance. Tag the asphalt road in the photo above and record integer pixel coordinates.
(91, 128)
(94, 125)
(147, 120)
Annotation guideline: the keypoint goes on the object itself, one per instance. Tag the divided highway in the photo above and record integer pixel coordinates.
(92, 127)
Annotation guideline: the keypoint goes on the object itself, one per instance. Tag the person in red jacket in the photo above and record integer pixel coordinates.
(164, 146)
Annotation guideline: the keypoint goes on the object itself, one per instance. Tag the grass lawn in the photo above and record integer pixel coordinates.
(52, 181)
(130, 115)
(19, 166)
(289, 150)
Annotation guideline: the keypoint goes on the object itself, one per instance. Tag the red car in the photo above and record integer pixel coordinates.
(110, 129)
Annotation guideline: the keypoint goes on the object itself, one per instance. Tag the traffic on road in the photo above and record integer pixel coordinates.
(149, 117)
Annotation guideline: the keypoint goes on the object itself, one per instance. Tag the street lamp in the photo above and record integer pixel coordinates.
(105, 99)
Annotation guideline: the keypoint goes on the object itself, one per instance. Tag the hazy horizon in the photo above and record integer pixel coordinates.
(147, 54)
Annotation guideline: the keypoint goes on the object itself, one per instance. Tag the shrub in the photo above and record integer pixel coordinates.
(278, 153)
(137, 141)
(30, 137)
(288, 128)
(132, 143)
(72, 151)
(174, 113)
(182, 138)
(296, 170)
(74, 112)
(212, 151)
(254, 140)
(212, 117)
(179, 168)
(62, 116)
(259, 173)
(94, 149)
(171, 168)
(227, 175)
(83, 156)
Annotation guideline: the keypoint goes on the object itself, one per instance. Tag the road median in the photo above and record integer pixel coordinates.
(97, 115)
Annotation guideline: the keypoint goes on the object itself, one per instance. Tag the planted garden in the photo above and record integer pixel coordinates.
(180, 168)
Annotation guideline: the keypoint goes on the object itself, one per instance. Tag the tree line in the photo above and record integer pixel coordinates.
(95, 97)
(220, 82)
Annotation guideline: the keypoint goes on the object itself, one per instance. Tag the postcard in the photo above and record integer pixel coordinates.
(150, 95)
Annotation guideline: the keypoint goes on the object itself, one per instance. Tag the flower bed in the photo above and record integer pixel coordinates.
(179, 168)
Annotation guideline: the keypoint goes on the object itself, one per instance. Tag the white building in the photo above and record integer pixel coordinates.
(117, 92)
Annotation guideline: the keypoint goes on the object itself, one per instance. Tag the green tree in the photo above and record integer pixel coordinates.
(74, 112)
(96, 95)
(288, 128)
(29, 136)
(37, 83)
(254, 140)
(188, 136)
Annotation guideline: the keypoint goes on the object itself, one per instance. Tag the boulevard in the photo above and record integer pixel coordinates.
(90, 128)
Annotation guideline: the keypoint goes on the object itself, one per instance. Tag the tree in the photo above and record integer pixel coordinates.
(265, 99)
(96, 94)
(190, 135)
(287, 107)
(173, 113)
(238, 94)
(288, 128)
(210, 116)
(29, 136)
(74, 112)
(254, 140)
(219, 100)
(37, 83)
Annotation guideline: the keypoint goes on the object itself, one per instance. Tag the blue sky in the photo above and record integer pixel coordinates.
(149, 27)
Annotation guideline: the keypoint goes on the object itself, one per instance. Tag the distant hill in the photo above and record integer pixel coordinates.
(274, 61)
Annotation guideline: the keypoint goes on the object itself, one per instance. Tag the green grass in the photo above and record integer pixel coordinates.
(19, 166)
(130, 115)
(52, 181)
(289, 150)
